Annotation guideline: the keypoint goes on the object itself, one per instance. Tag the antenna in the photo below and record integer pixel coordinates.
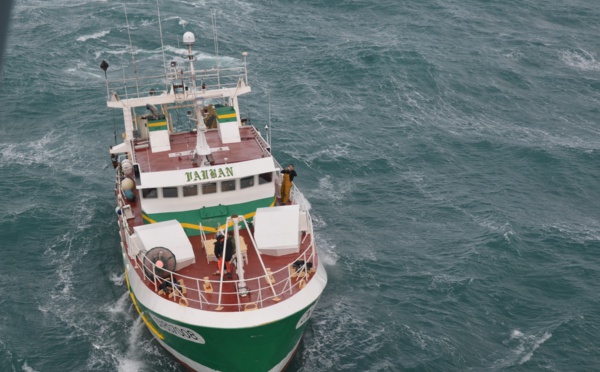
(162, 45)
(104, 66)
(131, 50)
(267, 126)
(189, 39)
(124, 80)
(245, 55)
(114, 126)
(216, 41)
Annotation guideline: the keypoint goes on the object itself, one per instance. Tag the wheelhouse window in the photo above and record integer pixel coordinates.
(209, 188)
(265, 178)
(190, 190)
(228, 185)
(170, 192)
(246, 182)
(150, 193)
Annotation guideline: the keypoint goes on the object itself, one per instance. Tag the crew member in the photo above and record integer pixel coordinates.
(286, 184)
(230, 249)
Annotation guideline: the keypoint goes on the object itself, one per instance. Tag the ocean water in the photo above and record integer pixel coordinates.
(450, 151)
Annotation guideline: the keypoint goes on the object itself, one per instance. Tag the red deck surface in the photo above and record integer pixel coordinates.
(261, 292)
(248, 149)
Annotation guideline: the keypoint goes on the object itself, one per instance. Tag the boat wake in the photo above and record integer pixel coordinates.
(351, 339)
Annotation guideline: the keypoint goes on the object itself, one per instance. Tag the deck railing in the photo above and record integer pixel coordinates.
(181, 81)
(264, 290)
(290, 278)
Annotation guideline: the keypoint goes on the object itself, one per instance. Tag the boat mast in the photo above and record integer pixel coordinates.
(267, 127)
(216, 40)
(162, 45)
(189, 39)
(202, 149)
(242, 289)
(131, 51)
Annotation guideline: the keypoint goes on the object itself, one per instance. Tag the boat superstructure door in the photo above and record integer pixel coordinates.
(159, 135)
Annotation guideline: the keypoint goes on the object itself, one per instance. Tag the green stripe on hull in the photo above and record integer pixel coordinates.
(226, 114)
(210, 217)
(155, 129)
(257, 348)
(154, 125)
(243, 349)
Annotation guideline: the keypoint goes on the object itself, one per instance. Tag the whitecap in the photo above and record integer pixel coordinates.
(516, 334)
(96, 35)
(117, 279)
(580, 59)
(524, 346)
(27, 368)
(536, 344)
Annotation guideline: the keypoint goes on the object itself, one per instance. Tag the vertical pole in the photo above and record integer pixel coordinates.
(242, 289)
(162, 46)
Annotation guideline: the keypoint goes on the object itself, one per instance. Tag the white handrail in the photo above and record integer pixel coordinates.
(307, 254)
(288, 286)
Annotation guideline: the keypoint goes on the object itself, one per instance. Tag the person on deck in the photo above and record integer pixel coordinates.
(166, 286)
(286, 184)
(219, 246)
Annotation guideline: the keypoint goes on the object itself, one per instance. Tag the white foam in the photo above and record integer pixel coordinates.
(121, 307)
(117, 279)
(516, 334)
(330, 191)
(27, 368)
(526, 345)
(96, 35)
(582, 231)
(580, 59)
(128, 365)
(182, 52)
(536, 344)
(132, 360)
(59, 254)
(327, 252)
(34, 152)
(329, 330)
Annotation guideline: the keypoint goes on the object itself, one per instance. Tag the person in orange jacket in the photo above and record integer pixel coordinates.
(286, 184)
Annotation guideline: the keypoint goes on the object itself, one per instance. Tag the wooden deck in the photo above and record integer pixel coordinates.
(262, 292)
(267, 282)
(182, 145)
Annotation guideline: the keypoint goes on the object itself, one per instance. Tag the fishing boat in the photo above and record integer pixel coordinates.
(223, 270)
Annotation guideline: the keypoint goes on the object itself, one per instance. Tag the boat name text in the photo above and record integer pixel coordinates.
(306, 316)
(209, 174)
(179, 331)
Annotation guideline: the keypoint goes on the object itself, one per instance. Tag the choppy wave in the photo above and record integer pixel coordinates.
(96, 35)
(449, 154)
(580, 59)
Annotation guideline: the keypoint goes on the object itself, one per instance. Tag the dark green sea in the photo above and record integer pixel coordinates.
(450, 151)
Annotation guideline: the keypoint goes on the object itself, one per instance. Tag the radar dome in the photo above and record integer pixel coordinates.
(188, 38)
